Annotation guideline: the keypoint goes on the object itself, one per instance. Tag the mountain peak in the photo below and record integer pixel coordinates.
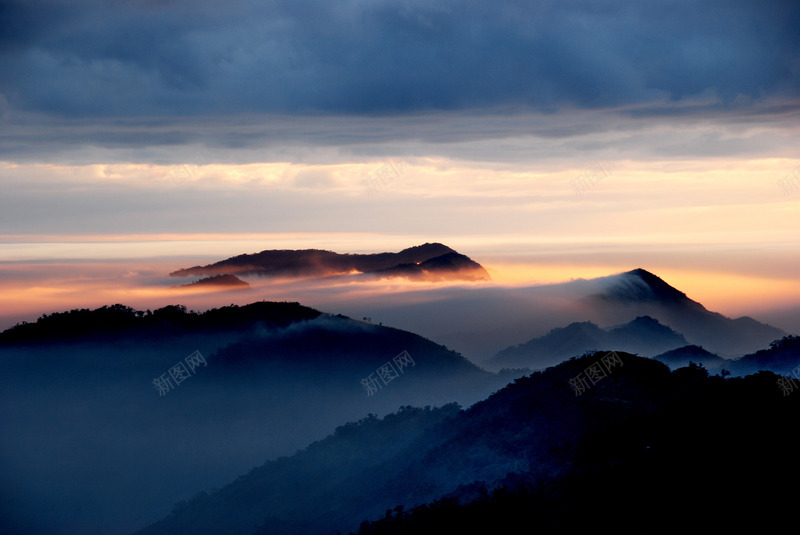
(429, 261)
(641, 292)
(429, 249)
(645, 321)
(644, 334)
(641, 285)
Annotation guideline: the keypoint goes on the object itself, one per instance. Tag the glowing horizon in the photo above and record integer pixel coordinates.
(708, 201)
(52, 285)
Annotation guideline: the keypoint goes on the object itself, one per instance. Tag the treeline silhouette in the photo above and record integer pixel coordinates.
(111, 322)
(642, 450)
(714, 454)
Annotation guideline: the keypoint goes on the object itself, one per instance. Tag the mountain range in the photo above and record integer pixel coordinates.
(683, 356)
(223, 281)
(91, 388)
(430, 261)
(644, 335)
(643, 293)
(95, 390)
(619, 456)
(482, 321)
(782, 357)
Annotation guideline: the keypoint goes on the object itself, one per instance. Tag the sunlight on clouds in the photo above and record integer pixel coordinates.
(184, 247)
(215, 175)
(30, 289)
(533, 274)
(723, 230)
(657, 182)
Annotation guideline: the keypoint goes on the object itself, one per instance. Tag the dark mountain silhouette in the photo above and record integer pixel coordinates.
(443, 267)
(334, 353)
(301, 492)
(432, 261)
(532, 456)
(693, 462)
(629, 288)
(641, 292)
(782, 357)
(643, 335)
(481, 321)
(682, 356)
(224, 281)
(110, 323)
(80, 386)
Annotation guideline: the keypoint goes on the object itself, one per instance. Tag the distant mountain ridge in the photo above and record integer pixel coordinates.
(483, 320)
(221, 281)
(430, 261)
(782, 357)
(642, 335)
(271, 366)
(683, 356)
(627, 289)
(646, 294)
(666, 320)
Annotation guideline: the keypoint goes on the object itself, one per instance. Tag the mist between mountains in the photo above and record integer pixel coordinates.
(387, 373)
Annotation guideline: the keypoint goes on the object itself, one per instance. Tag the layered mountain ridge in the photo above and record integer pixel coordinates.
(83, 381)
(640, 427)
(644, 335)
(644, 293)
(430, 261)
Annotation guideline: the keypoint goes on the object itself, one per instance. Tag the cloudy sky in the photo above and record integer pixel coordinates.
(547, 140)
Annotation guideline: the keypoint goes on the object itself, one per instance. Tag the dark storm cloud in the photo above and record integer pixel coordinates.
(191, 58)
